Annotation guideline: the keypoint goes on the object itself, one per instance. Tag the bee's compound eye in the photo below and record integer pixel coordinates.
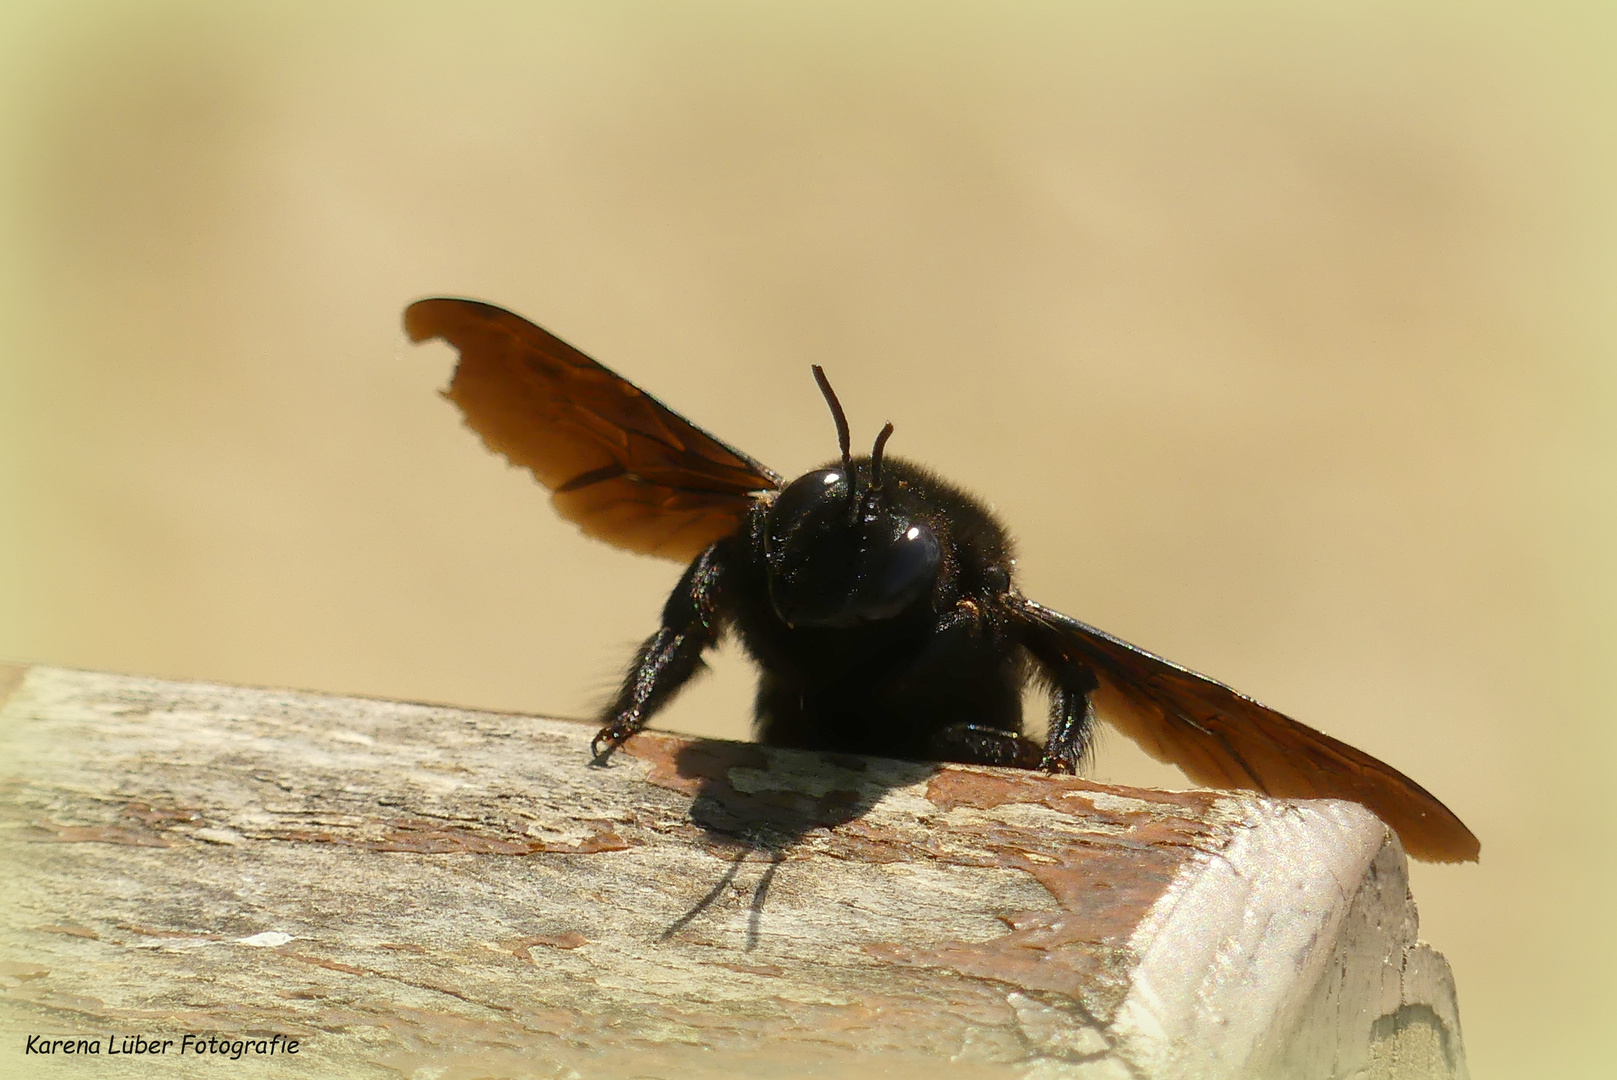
(801, 498)
(908, 569)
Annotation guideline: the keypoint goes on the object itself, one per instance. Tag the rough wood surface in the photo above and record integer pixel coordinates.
(439, 893)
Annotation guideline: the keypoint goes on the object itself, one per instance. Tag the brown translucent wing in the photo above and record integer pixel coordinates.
(1222, 738)
(619, 463)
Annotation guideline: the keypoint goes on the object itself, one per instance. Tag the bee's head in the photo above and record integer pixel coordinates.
(842, 544)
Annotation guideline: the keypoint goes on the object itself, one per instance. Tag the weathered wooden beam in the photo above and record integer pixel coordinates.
(434, 892)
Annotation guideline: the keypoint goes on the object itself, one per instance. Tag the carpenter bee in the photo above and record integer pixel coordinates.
(878, 600)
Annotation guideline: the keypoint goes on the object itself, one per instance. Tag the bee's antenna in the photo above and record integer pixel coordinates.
(875, 455)
(841, 419)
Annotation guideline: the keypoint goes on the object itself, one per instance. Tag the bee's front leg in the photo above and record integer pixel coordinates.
(977, 744)
(692, 621)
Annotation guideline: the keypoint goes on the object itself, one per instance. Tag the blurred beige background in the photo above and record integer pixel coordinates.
(1282, 335)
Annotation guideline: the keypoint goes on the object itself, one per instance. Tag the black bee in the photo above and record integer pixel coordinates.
(878, 601)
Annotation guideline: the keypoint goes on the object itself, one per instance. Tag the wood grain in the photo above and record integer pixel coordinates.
(406, 887)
